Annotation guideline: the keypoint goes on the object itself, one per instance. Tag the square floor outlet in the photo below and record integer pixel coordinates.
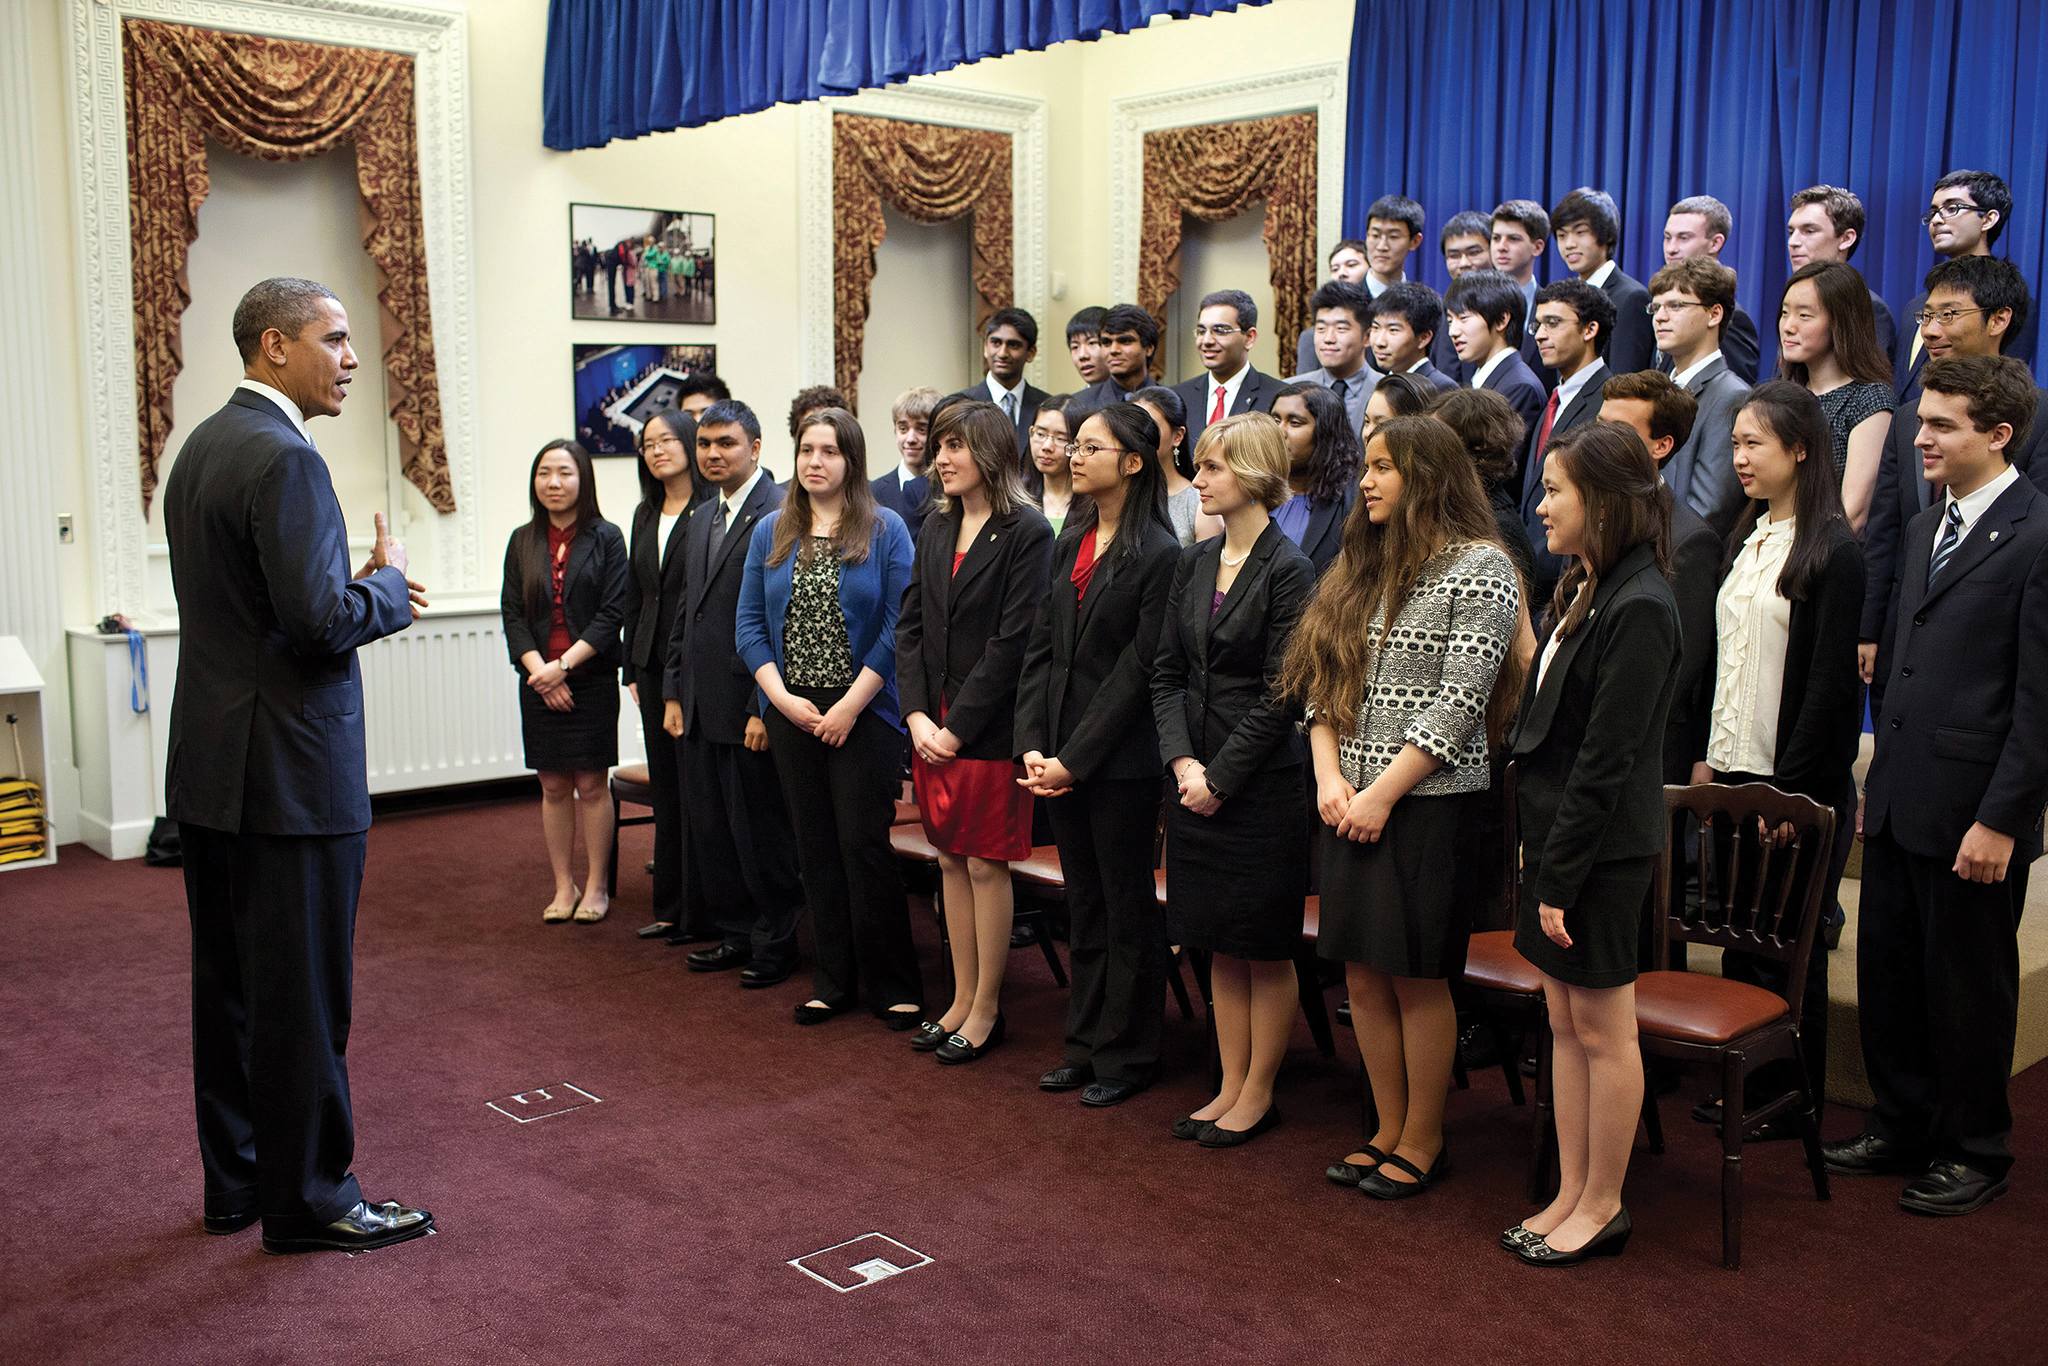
(860, 1262)
(543, 1102)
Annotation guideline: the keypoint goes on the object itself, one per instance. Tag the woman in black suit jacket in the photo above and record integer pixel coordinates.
(1084, 728)
(563, 602)
(1323, 452)
(1789, 603)
(979, 572)
(670, 486)
(1237, 840)
(1589, 750)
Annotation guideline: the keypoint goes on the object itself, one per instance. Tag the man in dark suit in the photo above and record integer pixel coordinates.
(1825, 223)
(1402, 324)
(1965, 216)
(1129, 336)
(1226, 326)
(1953, 804)
(1586, 226)
(267, 779)
(1341, 312)
(1009, 341)
(1483, 314)
(1573, 323)
(1698, 227)
(905, 490)
(1467, 245)
(741, 841)
(1693, 296)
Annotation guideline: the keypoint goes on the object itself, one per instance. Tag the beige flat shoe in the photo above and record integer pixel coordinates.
(585, 916)
(555, 915)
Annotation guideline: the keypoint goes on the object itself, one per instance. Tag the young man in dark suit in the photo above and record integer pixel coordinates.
(1953, 803)
(1825, 223)
(1467, 245)
(1692, 298)
(1129, 337)
(1586, 226)
(1483, 313)
(741, 841)
(1009, 342)
(1402, 327)
(1348, 265)
(1341, 312)
(1699, 226)
(906, 490)
(267, 779)
(1084, 345)
(1226, 325)
(1573, 323)
(1965, 216)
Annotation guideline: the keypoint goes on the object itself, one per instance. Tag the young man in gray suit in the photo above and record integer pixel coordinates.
(1342, 313)
(1692, 298)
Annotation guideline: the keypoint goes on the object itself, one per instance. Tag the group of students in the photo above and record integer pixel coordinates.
(1296, 631)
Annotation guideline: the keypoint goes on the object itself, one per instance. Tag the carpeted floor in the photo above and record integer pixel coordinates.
(656, 1226)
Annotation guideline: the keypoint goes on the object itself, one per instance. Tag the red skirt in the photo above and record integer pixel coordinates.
(973, 808)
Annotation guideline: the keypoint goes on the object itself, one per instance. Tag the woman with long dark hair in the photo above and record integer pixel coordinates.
(563, 602)
(1589, 751)
(1051, 434)
(1402, 395)
(1084, 729)
(980, 570)
(1323, 452)
(1827, 342)
(1405, 662)
(1176, 465)
(817, 628)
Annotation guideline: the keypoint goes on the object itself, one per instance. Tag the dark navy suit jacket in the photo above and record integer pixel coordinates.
(909, 503)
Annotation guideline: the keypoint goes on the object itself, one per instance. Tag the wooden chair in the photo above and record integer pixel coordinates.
(1766, 901)
(629, 787)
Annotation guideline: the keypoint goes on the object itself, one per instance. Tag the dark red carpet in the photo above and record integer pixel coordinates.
(656, 1225)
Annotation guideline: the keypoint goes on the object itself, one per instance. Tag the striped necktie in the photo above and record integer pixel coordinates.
(1951, 536)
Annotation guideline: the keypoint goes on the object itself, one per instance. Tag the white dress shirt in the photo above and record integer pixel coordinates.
(1753, 624)
(1685, 376)
(1375, 288)
(1230, 388)
(285, 405)
(1975, 505)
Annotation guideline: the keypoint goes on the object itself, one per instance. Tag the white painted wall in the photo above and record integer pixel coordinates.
(920, 323)
(1213, 256)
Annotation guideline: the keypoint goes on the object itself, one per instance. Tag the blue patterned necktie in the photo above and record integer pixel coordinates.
(1951, 535)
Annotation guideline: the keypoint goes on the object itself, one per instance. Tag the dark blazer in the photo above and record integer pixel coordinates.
(1584, 408)
(1085, 696)
(1102, 395)
(1635, 341)
(1213, 695)
(1323, 537)
(267, 720)
(705, 671)
(1255, 395)
(1962, 735)
(1887, 328)
(910, 503)
(1696, 554)
(1027, 408)
(593, 597)
(1514, 381)
(1428, 370)
(654, 592)
(1589, 741)
(960, 637)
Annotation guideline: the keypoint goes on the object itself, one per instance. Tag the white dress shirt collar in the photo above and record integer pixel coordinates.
(1599, 277)
(1685, 376)
(997, 393)
(1500, 357)
(1375, 288)
(285, 405)
(905, 476)
(1229, 387)
(732, 503)
(1568, 389)
(1976, 504)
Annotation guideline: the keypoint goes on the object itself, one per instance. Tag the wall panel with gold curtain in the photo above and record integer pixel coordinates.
(280, 101)
(930, 174)
(1212, 172)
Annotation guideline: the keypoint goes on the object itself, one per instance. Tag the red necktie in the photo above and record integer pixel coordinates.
(1549, 416)
(1216, 414)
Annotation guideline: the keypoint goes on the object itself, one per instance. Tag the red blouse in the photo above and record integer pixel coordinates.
(559, 541)
(1084, 565)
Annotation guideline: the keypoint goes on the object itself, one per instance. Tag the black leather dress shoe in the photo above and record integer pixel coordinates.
(1869, 1155)
(229, 1223)
(1216, 1136)
(1350, 1173)
(930, 1034)
(365, 1227)
(1067, 1077)
(1949, 1188)
(1344, 1012)
(808, 1014)
(1113, 1092)
(1608, 1242)
(956, 1049)
(896, 1021)
(677, 938)
(757, 975)
(719, 959)
(1022, 936)
(1380, 1186)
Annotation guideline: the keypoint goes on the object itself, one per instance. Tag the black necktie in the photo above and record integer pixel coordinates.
(717, 535)
(1951, 535)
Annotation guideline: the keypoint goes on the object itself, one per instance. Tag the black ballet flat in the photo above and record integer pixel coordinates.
(1349, 1173)
(1384, 1188)
(956, 1049)
(1216, 1136)
(812, 1015)
(1189, 1127)
(1608, 1242)
(930, 1034)
(896, 1021)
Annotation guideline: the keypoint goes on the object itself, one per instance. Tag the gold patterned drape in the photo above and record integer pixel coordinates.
(929, 174)
(1212, 172)
(279, 101)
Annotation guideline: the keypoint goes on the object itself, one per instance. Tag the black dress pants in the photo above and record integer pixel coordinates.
(1938, 987)
(678, 898)
(273, 957)
(841, 802)
(743, 849)
(1117, 946)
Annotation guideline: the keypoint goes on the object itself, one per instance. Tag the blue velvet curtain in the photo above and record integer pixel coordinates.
(1463, 103)
(625, 68)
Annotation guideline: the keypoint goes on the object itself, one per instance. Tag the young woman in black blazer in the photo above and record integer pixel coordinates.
(979, 572)
(1236, 841)
(1589, 749)
(669, 488)
(1788, 608)
(563, 602)
(1084, 727)
(1323, 452)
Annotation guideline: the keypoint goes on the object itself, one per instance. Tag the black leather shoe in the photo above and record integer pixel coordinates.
(1188, 1127)
(678, 938)
(1608, 1242)
(896, 1021)
(757, 975)
(719, 959)
(1350, 1173)
(1215, 1136)
(1707, 1111)
(1114, 1092)
(956, 1048)
(930, 1034)
(1067, 1077)
(1869, 1155)
(365, 1227)
(809, 1014)
(659, 929)
(1382, 1187)
(1517, 1238)
(229, 1223)
(1022, 936)
(1949, 1188)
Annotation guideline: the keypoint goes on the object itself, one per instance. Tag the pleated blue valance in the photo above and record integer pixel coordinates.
(626, 68)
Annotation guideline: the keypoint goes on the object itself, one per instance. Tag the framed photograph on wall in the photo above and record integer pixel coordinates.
(641, 265)
(619, 387)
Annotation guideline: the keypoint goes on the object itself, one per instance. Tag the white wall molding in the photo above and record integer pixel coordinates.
(434, 35)
(1023, 117)
(1311, 89)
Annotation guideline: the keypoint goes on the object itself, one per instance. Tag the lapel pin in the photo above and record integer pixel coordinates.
(1993, 536)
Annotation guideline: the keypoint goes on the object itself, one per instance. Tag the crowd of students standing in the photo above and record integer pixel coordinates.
(1294, 631)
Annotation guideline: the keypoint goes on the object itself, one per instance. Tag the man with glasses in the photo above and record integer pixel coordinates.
(1699, 226)
(1826, 224)
(1227, 324)
(1690, 300)
(1965, 216)
(1129, 337)
(1341, 313)
(1009, 341)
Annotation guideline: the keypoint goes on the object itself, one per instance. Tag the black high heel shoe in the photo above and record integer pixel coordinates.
(1608, 1242)
(930, 1034)
(957, 1049)
(1350, 1173)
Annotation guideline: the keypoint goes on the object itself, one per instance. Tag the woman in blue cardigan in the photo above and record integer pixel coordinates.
(817, 627)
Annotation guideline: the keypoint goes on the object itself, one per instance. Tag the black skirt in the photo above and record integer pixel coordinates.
(584, 740)
(1396, 904)
(1236, 881)
(1605, 926)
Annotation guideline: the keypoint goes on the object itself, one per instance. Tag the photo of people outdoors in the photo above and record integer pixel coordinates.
(642, 265)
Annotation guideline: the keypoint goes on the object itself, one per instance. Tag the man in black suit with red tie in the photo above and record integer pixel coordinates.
(1226, 325)
(1009, 341)
(1953, 803)
(267, 779)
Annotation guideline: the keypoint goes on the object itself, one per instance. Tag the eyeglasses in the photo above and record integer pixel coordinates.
(1219, 332)
(665, 440)
(1670, 306)
(1948, 211)
(1946, 317)
(1040, 436)
(1076, 451)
